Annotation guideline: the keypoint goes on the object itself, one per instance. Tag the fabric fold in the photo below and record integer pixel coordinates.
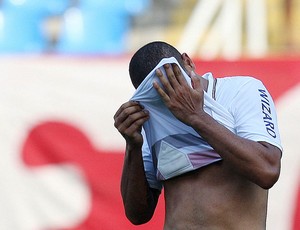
(171, 141)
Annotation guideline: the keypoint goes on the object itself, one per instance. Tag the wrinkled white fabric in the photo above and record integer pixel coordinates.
(174, 144)
(242, 104)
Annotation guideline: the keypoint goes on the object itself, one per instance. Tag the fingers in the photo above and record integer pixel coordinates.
(196, 84)
(173, 82)
(165, 81)
(173, 74)
(126, 105)
(165, 97)
(134, 128)
(174, 78)
(129, 118)
(179, 75)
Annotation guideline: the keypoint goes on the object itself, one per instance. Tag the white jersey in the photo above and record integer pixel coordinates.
(241, 104)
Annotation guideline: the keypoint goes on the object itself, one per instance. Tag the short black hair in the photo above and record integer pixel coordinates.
(147, 57)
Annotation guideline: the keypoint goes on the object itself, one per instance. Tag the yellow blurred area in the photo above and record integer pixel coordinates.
(274, 24)
(283, 28)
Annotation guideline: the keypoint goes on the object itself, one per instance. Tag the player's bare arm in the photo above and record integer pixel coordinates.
(257, 161)
(139, 200)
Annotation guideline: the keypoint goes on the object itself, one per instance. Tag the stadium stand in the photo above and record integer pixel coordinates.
(100, 27)
(21, 27)
(120, 26)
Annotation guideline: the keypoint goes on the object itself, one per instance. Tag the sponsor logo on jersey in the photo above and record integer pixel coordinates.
(267, 114)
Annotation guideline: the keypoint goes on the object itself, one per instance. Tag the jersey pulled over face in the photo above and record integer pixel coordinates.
(241, 104)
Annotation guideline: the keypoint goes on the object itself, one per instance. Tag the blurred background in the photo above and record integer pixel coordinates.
(64, 74)
(236, 28)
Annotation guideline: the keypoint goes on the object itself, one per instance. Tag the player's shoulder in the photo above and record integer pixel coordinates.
(239, 79)
(237, 82)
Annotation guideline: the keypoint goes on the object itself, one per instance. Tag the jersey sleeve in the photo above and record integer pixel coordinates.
(150, 171)
(255, 114)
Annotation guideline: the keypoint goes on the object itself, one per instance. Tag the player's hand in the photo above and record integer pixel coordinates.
(184, 102)
(129, 120)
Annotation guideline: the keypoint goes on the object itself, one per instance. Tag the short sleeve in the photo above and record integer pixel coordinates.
(254, 113)
(149, 166)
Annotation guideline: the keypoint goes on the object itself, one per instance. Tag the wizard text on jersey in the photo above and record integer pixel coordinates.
(267, 115)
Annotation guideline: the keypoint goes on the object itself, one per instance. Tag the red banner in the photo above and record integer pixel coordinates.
(62, 157)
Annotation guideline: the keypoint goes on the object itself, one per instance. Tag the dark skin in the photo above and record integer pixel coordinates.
(231, 194)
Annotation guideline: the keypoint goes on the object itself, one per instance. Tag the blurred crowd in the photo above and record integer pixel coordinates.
(66, 26)
(103, 26)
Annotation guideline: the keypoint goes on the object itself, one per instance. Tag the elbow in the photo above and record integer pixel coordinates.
(137, 221)
(138, 218)
(269, 177)
(270, 170)
(141, 212)
(268, 182)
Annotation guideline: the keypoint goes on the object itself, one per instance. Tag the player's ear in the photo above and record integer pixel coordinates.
(188, 62)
